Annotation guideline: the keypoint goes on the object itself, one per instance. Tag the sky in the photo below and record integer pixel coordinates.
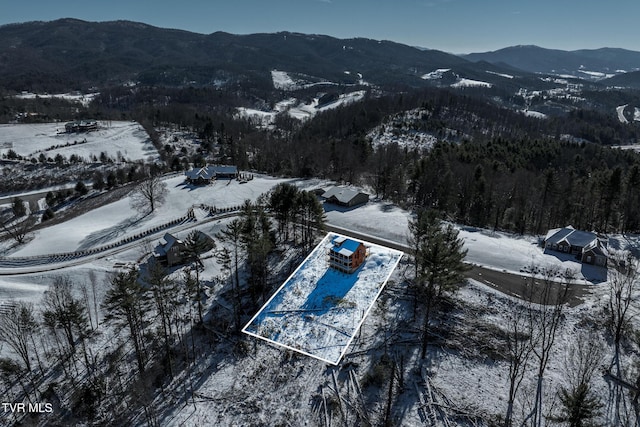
(455, 26)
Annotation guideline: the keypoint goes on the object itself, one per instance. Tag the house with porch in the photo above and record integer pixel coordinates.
(170, 250)
(586, 246)
(346, 255)
(207, 174)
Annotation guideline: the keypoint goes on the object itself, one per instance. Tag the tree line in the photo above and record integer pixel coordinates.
(158, 323)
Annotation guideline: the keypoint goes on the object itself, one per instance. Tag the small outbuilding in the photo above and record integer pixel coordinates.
(346, 255)
(345, 196)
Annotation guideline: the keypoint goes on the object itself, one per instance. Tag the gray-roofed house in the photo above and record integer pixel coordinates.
(585, 245)
(345, 196)
(170, 250)
(81, 126)
(206, 174)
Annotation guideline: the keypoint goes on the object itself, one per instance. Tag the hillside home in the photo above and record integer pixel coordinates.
(170, 250)
(346, 255)
(79, 126)
(207, 174)
(345, 196)
(586, 246)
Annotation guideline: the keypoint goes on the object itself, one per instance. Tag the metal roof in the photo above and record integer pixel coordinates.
(345, 246)
(342, 194)
(208, 172)
(571, 236)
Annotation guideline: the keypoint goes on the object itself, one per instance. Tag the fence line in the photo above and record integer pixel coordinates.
(212, 211)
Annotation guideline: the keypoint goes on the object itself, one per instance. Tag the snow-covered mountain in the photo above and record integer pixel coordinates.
(593, 64)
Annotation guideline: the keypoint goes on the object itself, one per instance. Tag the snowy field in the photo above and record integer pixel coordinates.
(462, 82)
(116, 220)
(297, 109)
(127, 140)
(84, 99)
(318, 310)
(494, 250)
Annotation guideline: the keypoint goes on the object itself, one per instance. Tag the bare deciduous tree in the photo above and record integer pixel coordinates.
(148, 194)
(18, 324)
(551, 297)
(519, 348)
(624, 283)
(18, 230)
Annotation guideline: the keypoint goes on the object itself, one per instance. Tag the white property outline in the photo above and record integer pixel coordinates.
(355, 330)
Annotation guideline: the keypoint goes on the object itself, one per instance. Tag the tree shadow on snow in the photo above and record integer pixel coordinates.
(330, 291)
(109, 234)
(591, 273)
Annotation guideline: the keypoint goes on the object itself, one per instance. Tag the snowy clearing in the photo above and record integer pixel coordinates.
(506, 76)
(116, 220)
(434, 75)
(318, 310)
(297, 110)
(127, 140)
(283, 81)
(84, 99)
(534, 114)
(462, 82)
(620, 111)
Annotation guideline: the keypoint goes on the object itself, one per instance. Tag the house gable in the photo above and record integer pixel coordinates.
(586, 245)
(345, 196)
(206, 174)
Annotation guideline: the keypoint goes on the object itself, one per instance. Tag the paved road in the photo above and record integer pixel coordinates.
(510, 284)
(507, 283)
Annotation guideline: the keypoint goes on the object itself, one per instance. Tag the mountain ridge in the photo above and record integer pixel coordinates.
(537, 59)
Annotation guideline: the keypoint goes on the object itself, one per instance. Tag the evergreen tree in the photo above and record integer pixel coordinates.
(440, 265)
(18, 208)
(282, 202)
(197, 243)
(126, 302)
(579, 406)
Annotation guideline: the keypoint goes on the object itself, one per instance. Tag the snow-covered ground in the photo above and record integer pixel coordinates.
(620, 112)
(116, 220)
(283, 81)
(84, 99)
(296, 109)
(434, 75)
(405, 138)
(534, 114)
(506, 76)
(252, 383)
(462, 82)
(127, 140)
(318, 310)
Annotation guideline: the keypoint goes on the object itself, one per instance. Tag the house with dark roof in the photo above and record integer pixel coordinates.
(207, 174)
(170, 250)
(345, 196)
(81, 126)
(346, 255)
(586, 246)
